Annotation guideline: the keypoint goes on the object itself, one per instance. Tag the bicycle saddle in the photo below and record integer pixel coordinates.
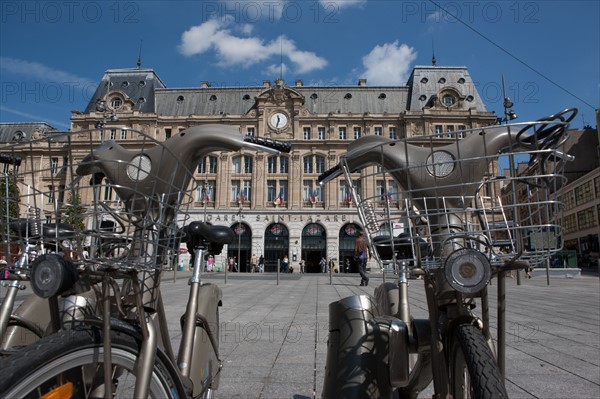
(198, 234)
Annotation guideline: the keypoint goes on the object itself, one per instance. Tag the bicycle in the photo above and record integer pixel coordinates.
(472, 209)
(107, 334)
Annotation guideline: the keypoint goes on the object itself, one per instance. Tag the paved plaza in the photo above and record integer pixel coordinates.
(273, 336)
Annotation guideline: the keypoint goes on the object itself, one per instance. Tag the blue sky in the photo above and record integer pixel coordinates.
(53, 53)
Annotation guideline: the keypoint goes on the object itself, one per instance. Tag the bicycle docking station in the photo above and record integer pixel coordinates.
(367, 353)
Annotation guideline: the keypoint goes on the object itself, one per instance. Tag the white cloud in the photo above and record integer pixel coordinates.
(35, 70)
(277, 69)
(243, 50)
(339, 4)
(388, 64)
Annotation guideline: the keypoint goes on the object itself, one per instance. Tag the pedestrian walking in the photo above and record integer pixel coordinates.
(285, 265)
(302, 266)
(253, 263)
(261, 264)
(362, 254)
(322, 264)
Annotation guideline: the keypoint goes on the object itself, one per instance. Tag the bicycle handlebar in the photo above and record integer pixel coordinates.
(153, 171)
(448, 166)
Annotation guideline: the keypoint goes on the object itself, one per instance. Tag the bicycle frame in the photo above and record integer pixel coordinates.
(118, 287)
(463, 213)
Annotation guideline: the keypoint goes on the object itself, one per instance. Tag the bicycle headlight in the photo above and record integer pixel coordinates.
(467, 270)
(52, 275)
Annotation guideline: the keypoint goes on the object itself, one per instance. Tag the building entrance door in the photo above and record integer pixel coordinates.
(348, 235)
(277, 243)
(314, 239)
(240, 247)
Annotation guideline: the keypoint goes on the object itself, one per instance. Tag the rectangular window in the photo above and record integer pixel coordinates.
(319, 164)
(586, 219)
(108, 193)
(283, 190)
(356, 133)
(284, 165)
(450, 130)
(247, 191)
(272, 165)
(345, 194)
(212, 164)
(307, 190)
(113, 134)
(50, 194)
(53, 165)
(101, 135)
(308, 164)
(123, 134)
(342, 133)
(584, 193)
(439, 129)
(202, 166)
(247, 164)
(321, 133)
(167, 133)
(250, 131)
(271, 190)
(236, 166)
(393, 133)
(206, 191)
(568, 200)
(306, 133)
(570, 223)
(235, 191)
(378, 130)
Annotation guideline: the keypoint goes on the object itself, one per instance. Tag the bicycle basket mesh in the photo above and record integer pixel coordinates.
(439, 193)
(112, 211)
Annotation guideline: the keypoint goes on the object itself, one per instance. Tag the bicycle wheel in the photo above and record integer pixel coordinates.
(474, 372)
(69, 364)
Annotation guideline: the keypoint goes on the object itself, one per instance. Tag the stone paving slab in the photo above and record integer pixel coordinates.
(273, 337)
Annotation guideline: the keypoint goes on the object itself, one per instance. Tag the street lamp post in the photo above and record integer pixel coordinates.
(239, 237)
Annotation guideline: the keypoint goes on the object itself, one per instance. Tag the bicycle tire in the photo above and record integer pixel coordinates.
(387, 298)
(474, 372)
(75, 357)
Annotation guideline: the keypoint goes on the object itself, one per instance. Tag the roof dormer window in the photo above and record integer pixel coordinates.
(448, 100)
(116, 103)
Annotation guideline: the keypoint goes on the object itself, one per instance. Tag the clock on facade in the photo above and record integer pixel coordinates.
(278, 120)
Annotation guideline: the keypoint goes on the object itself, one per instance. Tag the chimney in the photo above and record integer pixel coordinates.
(204, 84)
(266, 83)
(362, 82)
(299, 83)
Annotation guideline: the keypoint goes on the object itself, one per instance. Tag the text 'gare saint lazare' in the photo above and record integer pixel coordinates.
(277, 218)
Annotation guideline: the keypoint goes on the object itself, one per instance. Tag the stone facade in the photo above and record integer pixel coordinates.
(275, 202)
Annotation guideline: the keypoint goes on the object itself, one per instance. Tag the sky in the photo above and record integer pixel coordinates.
(54, 53)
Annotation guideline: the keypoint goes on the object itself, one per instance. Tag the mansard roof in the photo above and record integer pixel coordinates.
(23, 131)
(137, 85)
(426, 84)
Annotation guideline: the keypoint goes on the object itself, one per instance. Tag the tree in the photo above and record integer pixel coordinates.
(9, 200)
(75, 212)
